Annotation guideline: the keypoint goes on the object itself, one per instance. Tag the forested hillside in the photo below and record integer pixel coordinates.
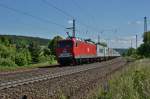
(15, 39)
(121, 50)
(25, 51)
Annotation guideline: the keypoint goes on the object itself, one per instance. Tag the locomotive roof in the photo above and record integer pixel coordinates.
(80, 40)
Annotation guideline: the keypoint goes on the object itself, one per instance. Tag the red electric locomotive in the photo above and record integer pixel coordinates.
(75, 51)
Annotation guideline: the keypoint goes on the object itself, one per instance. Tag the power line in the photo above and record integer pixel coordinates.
(42, 19)
(84, 11)
(30, 15)
(58, 9)
(81, 8)
(67, 14)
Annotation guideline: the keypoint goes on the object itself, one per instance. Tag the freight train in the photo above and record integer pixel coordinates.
(75, 51)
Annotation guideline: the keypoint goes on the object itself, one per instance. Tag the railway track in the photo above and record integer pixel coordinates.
(101, 80)
(19, 82)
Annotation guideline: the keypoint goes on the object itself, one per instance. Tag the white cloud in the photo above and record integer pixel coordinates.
(135, 22)
(70, 21)
(128, 38)
(129, 23)
(139, 22)
(124, 42)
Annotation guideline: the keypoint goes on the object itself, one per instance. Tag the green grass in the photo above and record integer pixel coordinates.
(31, 66)
(132, 83)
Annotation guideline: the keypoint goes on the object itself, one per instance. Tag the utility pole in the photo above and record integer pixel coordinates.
(136, 41)
(145, 24)
(73, 29)
(145, 29)
(98, 38)
(131, 43)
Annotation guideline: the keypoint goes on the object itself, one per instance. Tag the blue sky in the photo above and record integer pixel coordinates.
(117, 21)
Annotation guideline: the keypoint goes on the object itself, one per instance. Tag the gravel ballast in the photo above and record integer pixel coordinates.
(74, 86)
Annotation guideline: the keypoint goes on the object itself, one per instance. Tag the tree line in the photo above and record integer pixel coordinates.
(143, 51)
(22, 53)
(26, 39)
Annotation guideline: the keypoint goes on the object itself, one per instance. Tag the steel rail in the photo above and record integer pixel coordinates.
(14, 83)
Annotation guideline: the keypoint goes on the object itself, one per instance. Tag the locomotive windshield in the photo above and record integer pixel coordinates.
(63, 44)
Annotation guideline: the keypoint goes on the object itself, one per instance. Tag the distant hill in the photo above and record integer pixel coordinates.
(121, 50)
(14, 39)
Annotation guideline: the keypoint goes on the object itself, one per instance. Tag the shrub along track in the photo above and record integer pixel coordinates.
(73, 82)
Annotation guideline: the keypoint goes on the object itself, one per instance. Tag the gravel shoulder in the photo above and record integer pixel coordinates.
(74, 86)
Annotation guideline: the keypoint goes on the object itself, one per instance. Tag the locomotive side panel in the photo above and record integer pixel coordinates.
(84, 50)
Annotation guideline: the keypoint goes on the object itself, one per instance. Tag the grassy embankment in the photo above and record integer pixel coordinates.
(20, 52)
(132, 83)
(31, 66)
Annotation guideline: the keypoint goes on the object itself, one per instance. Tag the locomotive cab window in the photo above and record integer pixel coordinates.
(64, 44)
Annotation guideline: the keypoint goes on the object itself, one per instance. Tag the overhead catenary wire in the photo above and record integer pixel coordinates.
(69, 15)
(33, 16)
(43, 19)
(30, 15)
(84, 11)
(58, 9)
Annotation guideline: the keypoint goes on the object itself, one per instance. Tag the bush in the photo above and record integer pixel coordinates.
(43, 59)
(20, 59)
(136, 56)
(144, 50)
(139, 83)
(35, 51)
(7, 52)
(46, 51)
(27, 55)
(131, 51)
(133, 83)
(6, 62)
(48, 58)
